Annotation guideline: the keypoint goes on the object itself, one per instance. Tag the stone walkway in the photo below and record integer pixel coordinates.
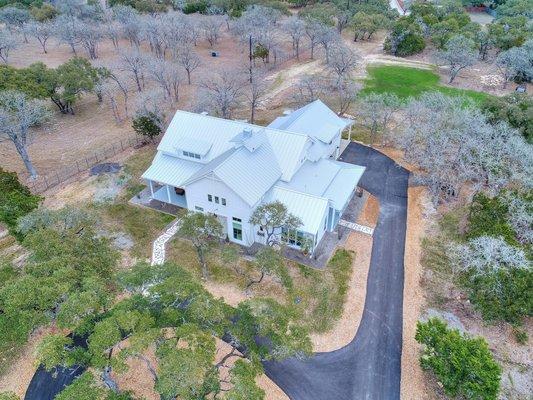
(158, 248)
(356, 227)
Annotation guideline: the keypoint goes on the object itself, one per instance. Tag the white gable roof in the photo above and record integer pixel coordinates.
(219, 132)
(315, 120)
(250, 173)
(333, 180)
(170, 170)
(310, 209)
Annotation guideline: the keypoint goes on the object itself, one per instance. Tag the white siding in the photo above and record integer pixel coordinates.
(197, 193)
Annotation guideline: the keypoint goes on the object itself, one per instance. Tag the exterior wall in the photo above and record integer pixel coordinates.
(235, 207)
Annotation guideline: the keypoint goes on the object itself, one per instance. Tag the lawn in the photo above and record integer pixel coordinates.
(411, 82)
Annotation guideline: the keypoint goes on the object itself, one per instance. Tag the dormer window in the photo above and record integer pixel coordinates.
(191, 155)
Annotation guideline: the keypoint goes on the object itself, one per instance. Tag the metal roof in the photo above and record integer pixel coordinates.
(195, 145)
(327, 178)
(249, 173)
(170, 170)
(315, 119)
(310, 209)
(341, 187)
(287, 146)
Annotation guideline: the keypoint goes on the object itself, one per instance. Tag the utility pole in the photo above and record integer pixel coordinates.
(250, 55)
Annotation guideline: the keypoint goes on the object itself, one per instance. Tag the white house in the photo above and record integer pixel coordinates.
(228, 168)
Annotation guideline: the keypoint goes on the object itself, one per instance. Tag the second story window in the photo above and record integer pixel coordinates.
(209, 198)
(217, 200)
(223, 201)
(191, 155)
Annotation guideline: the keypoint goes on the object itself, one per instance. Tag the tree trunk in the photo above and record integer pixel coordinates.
(189, 76)
(257, 281)
(21, 149)
(108, 381)
(203, 263)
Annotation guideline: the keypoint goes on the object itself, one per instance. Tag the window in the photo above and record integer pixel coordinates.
(191, 155)
(217, 200)
(209, 198)
(197, 208)
(223, 201)
(237, 228)
(292, 237)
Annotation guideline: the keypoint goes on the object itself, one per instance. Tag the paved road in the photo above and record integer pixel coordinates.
(369, 366)
(46, 385)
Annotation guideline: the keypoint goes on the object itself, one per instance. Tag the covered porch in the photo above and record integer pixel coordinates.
(167, 194)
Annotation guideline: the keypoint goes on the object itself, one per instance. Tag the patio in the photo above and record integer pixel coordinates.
(144, 199)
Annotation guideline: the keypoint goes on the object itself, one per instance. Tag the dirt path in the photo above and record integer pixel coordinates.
(413, 383)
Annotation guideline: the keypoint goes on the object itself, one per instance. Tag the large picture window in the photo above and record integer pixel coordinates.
(292, 237)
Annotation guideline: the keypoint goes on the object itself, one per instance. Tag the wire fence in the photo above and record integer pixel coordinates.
(45, 182)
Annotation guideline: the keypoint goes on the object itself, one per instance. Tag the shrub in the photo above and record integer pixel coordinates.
(497, 276)
(464, 365)
(405, 39)
(196, 7)
(16, 200)
(148, 125)
(488, 217)
(515, 109)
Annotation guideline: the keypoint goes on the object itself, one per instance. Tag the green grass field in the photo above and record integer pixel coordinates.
(411, 82)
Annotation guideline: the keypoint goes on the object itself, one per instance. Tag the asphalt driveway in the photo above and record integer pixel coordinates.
(369, 366)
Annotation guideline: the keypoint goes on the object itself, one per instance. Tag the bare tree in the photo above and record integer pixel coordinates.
(131, 23)
(109, 90)
(211, 29)
(112, 30)
(67, 30)
(328, 38)
(7, 43)
(14, 18)
(134, 63)
(458, 54)
(295, 27)
(90, 34)
(150, 102)
(453, 143)
(166, 74)
(346, 91)
(313, 31)
(121, 84)
(257, 88)
(17, 115)
(152, 32)
(309, 88)
(222, 94)
(342, 61)
(42, 31)
(375, 112)
(485, 255)
(515, 61)
(520, 216)
(189, 60)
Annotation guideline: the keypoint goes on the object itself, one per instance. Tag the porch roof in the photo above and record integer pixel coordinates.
(170, 170)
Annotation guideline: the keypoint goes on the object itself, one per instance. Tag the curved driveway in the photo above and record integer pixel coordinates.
(369, 366)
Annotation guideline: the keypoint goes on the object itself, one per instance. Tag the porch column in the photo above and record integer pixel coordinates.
(151, 188)
(168, 193)
(350, 133)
